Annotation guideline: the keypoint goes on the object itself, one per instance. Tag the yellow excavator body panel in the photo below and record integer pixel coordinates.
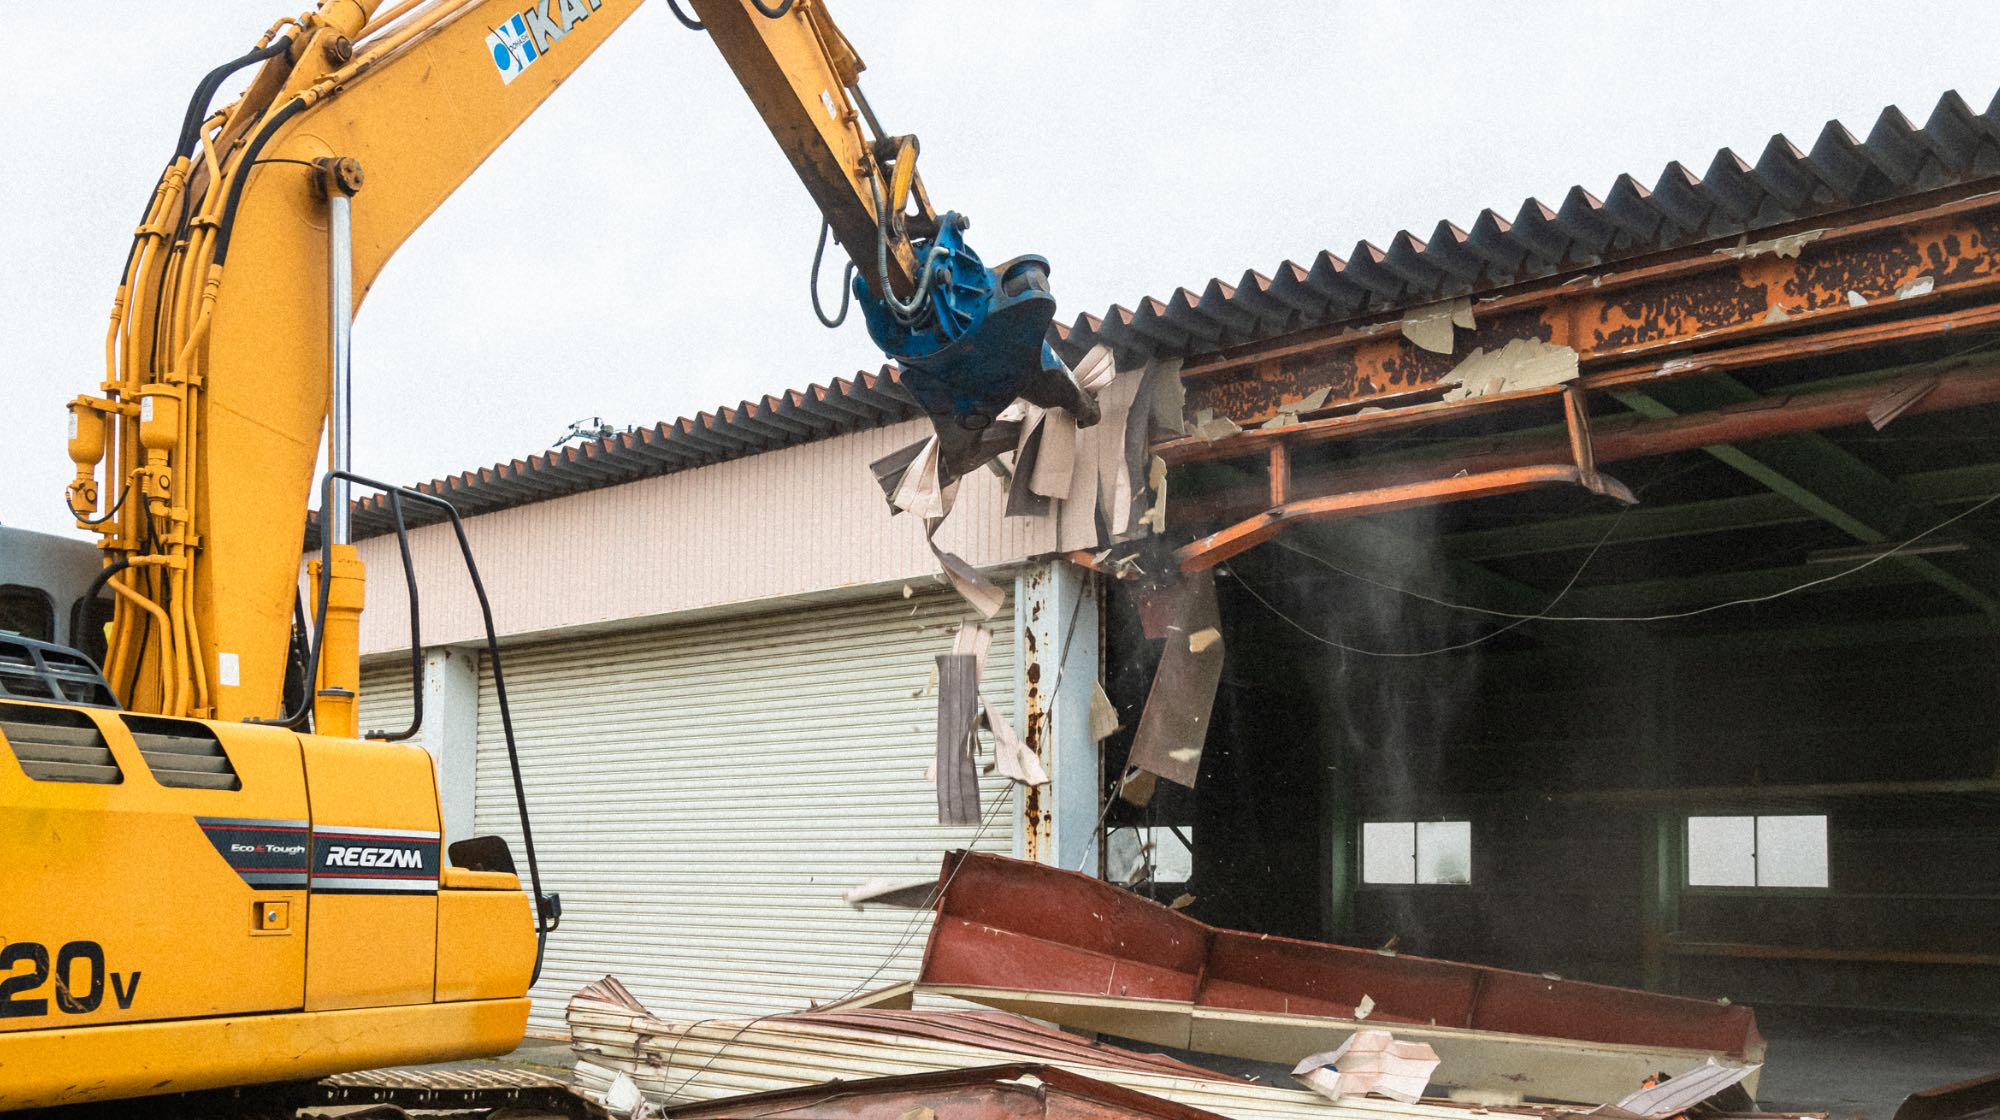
(193, 905)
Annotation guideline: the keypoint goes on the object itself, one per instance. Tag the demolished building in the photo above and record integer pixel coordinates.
(1606, 590)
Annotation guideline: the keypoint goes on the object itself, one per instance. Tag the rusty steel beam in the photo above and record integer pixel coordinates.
(1613, 440)
(1425, 410)
(1853, 277)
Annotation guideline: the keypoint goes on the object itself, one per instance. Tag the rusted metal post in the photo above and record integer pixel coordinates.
(1056, 644)
(1281, 474)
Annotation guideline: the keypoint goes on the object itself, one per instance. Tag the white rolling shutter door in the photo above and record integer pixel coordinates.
(385, 694)
(703, 794)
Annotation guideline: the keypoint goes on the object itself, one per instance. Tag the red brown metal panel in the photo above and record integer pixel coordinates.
(1008, 924)
(1109, 941)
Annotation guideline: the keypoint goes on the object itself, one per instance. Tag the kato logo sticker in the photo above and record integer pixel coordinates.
(267, 854)
(374, 861)
(526, 36)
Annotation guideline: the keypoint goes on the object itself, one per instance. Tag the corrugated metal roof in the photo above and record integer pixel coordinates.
(868, 400)
(1733, 197)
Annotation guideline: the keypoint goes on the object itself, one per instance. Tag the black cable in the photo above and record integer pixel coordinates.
(846, 281)
(227, 225)
(542, 925)
(692, 24)
(416, 631)
(104, 575)
(204, 91)
(108, 514)
(687, 21)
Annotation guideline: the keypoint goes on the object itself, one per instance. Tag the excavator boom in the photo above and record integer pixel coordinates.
(212, 882)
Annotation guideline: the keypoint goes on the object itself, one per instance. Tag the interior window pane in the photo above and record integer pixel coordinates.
(1722, 852)
(1173, 861)
(1791, 851)
(1388, 850)
(1444, 852)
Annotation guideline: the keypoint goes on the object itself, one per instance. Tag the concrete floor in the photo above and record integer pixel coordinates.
(1852, 1065)
(1859, 1065)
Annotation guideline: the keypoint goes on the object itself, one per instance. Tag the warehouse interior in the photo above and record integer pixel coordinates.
(1793, 800)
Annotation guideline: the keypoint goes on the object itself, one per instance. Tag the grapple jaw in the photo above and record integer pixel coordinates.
(978, 343)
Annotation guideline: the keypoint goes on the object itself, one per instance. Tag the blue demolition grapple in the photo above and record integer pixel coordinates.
(977, 341)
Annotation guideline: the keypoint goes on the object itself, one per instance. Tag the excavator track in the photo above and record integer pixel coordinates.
(386, 1094)
(467, 1092)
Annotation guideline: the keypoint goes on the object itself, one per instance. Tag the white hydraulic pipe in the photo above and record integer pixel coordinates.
(340, 292)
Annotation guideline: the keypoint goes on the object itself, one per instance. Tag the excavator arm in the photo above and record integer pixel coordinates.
(226, 351)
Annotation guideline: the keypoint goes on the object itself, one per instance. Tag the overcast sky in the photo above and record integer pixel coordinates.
(639, 249)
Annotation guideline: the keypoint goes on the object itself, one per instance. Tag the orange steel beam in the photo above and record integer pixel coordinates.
(1612, 440)
(1881, 264)
(1206, 552)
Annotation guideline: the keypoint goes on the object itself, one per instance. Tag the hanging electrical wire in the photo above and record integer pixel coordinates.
(1519, 620)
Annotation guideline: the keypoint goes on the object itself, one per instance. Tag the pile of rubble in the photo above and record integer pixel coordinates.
(1270, 1029)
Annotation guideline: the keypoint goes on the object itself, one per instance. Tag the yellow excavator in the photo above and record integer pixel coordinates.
(210, 880)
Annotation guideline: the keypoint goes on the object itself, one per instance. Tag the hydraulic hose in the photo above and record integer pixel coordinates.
(204, 92)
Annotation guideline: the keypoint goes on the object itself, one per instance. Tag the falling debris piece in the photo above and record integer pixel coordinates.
(1787, 246)
(1156, 605)
(908, 591)
(1524, 363)
(1366, 1007)
(906, 894)
(1181, 902)
(1921, 286)
(1165, 396)
(1211, 427)
(918, 488)
(1155, 517)
(1114, 469)
(975, 640)
(1082, 953)
(1856, 299)
(1022, 500)
(1012, 757)
(1174, 725)
(958, 713)
(930, 682)
(1288, 414)
(1056, 464)
(1370, 1062)
(982, 594)
(1431, 326)
(1137, 787)
(1900, 398)
(1103, 714)
(1095, 370)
